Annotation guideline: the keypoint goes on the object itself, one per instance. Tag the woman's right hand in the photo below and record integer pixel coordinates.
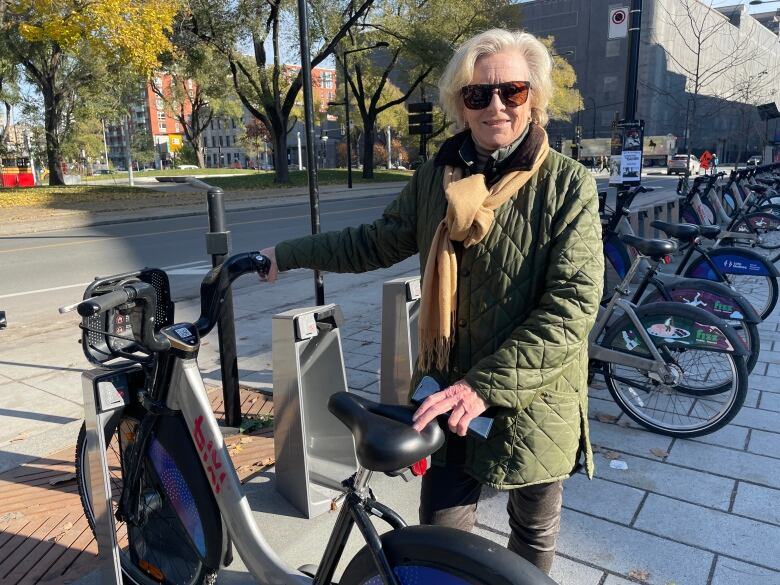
(273, 272)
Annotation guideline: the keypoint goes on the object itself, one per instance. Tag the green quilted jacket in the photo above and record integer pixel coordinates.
(528, 295)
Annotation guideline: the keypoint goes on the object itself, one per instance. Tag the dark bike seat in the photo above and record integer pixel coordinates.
(682, 231)
(759, 188)
(709, 231)
(655, 249)
(384, 437)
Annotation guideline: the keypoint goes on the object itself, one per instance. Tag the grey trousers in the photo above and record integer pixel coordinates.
(449, 497)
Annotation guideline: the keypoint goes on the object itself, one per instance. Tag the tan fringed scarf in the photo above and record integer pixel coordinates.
(470, 215)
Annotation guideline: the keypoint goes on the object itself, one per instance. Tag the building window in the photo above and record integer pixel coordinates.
(327, 79)
(160, 115)
(227, 140)
(189, 83)
(213, 141)
(161, 126)
(178, 127)
(159, 103)
(220, 141)
(234, 123)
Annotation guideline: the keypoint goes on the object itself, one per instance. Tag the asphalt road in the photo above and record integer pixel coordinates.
(45, 270)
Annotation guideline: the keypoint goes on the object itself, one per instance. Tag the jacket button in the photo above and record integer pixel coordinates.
(465, 272)
(456, 369)
(462, 322)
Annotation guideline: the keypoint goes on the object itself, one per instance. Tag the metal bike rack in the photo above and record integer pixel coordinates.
(315, 452)
(105, 392)
(400, 312)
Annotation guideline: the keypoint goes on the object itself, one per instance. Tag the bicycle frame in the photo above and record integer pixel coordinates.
(187, 394)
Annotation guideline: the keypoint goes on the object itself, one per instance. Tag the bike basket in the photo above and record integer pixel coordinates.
(109, 335)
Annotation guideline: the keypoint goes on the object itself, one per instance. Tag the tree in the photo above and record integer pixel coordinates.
(265, 85)
(255, 138)
(63, 46)
(9, 93)
(566, 100)
(707, 46)
(421, 35)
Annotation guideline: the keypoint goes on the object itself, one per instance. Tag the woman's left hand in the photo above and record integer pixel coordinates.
(460, 398)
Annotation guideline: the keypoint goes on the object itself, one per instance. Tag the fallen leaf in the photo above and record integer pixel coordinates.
(67, 526)
(625, 423)
(62, 479)
(245, 440)
(611, 455)
(333, 506)
(659, 452)
(639, 575)
(618, 464)
(605, 418)
(236, 448)
(9, 516)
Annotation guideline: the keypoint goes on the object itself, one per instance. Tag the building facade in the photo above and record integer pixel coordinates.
(739, 68)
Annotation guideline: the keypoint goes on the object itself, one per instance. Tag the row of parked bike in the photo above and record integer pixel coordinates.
(676, 347)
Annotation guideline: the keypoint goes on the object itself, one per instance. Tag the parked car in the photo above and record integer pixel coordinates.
(676, 165)
(187, 167)
(754, 161)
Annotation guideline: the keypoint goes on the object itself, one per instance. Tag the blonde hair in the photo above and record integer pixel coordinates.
(460, 70)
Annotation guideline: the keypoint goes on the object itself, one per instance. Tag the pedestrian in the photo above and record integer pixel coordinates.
(509, 240)
(715, 164)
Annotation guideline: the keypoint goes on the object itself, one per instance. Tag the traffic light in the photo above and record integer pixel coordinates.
(420, 118)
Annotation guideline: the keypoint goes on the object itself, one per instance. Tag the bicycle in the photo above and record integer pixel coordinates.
(673, 368)
(741, 269)
(178, 500)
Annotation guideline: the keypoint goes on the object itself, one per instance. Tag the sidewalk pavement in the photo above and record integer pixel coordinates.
(685, 512)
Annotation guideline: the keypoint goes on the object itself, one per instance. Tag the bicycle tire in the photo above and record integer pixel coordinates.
(132, 571)
(643, 393)
(444, 556)
(754, 223)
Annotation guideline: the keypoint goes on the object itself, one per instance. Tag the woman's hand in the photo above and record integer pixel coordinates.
(460, 398)
(273, 272)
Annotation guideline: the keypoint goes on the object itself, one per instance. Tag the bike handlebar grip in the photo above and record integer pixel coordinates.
(102, 303)
(262, 263)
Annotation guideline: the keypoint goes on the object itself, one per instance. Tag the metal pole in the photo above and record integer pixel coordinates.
(128, 154)
(218, 245)
(632, 68)
(349, 132)
(300, 159)
(311, 161)
(105, 144)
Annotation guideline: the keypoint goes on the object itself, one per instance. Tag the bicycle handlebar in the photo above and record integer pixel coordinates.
(217, 282)
(100, 304)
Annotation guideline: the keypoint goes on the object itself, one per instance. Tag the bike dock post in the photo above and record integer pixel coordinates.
(314, 451)
(105, 391)
(400, 312)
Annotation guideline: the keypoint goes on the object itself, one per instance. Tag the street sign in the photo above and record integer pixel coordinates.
(421, 118)
(421, 129)
(419, 107)
(618, 23)
(175, 142)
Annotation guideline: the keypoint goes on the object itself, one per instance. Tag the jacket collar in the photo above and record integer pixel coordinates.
(459, 151)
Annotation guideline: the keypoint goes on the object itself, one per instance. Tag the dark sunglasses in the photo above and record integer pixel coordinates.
(511, 93)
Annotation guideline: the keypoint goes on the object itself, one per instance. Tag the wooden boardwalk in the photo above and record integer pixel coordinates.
(44, 535)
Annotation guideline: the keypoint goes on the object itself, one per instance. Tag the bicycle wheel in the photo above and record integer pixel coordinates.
(174, 543)
(763, 223)
(710, 389)
(436, 555)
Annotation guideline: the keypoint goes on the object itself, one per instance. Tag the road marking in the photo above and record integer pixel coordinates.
(176, 269)
(160, 233)
(199, 269)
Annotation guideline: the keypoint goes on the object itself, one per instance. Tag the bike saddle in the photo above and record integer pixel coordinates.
(682, 231)
(655, 249)
(759, 188)
(709, 231)
(384, 438)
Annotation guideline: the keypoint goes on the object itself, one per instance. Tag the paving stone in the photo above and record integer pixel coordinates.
(739, 465)
(27, 411)
(759, 369)
(756, 418)
(358, 379)
(764, 443)
(614, 580)
(773, 370)
(365, 335)
(355, 360)
(361, 347)
(770, 401)
(757, 502)
(670, 480)
(568, 572)
(621, 550)
(373, 365)
(628, 440)
(719, 531)
(598, 497)
(733, 572)
(751, 398)
(729, 436)
(598, 406)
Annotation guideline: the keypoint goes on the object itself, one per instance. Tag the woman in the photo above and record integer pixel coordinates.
(509, 239)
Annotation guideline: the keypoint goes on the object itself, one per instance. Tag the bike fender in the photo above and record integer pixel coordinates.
(682, 326)
(714, 297)
(758, 220)
(731, 260)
